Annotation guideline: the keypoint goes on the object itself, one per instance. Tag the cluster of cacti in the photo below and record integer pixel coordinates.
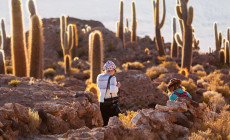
(185, 14)
(159, 25)
(67, 42)
(18, 46)
(218, 37)
(120, 23)
(134, 23)
(174, 47)
(35, 48)
(95, 54)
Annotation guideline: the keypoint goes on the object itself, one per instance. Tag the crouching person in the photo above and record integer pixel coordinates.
(175, 89)
(109, 87)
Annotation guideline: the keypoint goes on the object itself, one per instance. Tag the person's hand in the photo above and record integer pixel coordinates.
(118, 84)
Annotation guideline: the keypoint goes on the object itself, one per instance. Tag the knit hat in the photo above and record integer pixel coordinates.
(173, 82)
(109, 65)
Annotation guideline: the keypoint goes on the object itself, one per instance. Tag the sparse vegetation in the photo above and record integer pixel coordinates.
(34, 119)
(189, 86)
(14, 83)
(170, 64)
(133, 66)
(163, 86)
(126, 119)
(201, 73)
(155, 71)
(49, 72)
(59, 78)
(93, 88)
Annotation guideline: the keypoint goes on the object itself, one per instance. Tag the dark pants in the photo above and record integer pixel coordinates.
(108, 111)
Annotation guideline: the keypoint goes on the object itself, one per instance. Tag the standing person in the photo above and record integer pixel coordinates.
(176, 90)
(108, 86)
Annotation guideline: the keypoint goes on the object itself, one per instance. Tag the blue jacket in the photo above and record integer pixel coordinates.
(173, 97)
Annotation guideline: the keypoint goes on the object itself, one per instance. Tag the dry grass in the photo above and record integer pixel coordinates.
(126, 119)
(50, 72)
(75, 70)
(59, 78)
(155, 71)
(215, 100)
(147, 51)
(133, 66)
(93, 88)
(201, 73)
(14, 83)
(189, 86)
(163, 86)
(215, 129)
(197, 67)
(170, 64)
(34, 119)
(9, 69)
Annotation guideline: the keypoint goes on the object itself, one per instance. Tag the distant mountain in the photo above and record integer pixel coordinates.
(206, 12)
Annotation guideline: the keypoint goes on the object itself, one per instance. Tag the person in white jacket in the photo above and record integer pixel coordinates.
(108, 86)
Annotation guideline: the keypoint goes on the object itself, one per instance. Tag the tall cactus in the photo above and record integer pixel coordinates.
(121, 22)
(96, 54)
(227, 53)
(67, 60)
(2, 58)
(35, 48)
(174, 47)
(186, 15)
(31, 7)
(75, 42)
(3, 34)
(18, 48)
(218, 37)
(127, 25)
(222, 56)
(159, 25)
(134, 23)
(63, 29)
(228, 34)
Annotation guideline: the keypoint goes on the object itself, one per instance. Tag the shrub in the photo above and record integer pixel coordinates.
(75, 70)
(201, 73)
(59, 78)
(197, 67)
(170, 64)
(214, 99)
(133, 65)
(163, 86)
(54, 66)
(155, 71)
(34, 119)
(50, 72)
(147, 51)
(62, 64)
(126, 119)
(93, 88)
(86, 73)
(14, 83)
(9, 69)
(189, 86)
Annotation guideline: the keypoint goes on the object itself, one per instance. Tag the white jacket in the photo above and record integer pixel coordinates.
(102, 80)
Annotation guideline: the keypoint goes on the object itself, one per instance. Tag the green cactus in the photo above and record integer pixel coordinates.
(218, 37)
(67, 61)
(174, 47)
(227, 53)
(186, 15)
(159, 25)
(96, 54)
(31, 7)
(75, 42)
(134, 23)
(222, 56)
(3, 34)
(121, 23)
(35, 48)
(18, 47)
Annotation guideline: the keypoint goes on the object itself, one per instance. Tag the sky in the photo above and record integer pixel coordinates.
(206, 12)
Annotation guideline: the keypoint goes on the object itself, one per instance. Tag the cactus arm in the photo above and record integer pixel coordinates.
(164, 15)
(70, 37)
(31, 7)
(174, 26)
(190, 16)
(63, 23)
(220, 38)
(154, 5)
(178, 39)
(178, 11)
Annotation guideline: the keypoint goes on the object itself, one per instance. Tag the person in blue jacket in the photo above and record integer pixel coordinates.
(176, 89)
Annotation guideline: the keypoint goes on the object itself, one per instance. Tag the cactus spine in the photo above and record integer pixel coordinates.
(174, 47)
(18, 48)
(31, 7)
(227, 53)
(96, 54)
(35, 48)
(75, 42)
(159, 25)
(186, 15)
(121, 22)
(3, 34)
(218, 37)
(134, 23)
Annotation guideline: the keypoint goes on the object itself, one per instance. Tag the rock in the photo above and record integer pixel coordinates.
(177, 106)
(114, 121)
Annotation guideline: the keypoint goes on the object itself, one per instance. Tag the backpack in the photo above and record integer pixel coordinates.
(184, 94)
